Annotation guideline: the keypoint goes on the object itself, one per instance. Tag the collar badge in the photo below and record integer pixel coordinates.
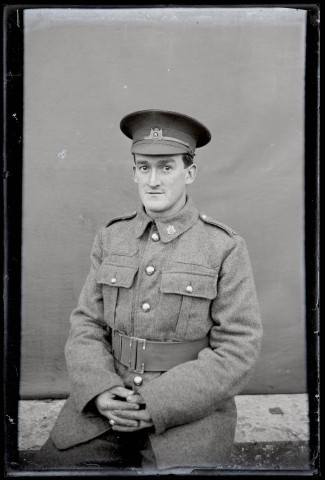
(155, 134)
(170, 229)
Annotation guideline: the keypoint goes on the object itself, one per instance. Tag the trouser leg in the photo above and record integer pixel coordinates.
(112, 449)
(148, 464)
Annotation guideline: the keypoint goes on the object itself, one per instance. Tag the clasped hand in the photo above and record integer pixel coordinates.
(127, 415)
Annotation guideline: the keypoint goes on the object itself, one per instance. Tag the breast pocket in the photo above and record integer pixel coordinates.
(116, 281)
(191, 288)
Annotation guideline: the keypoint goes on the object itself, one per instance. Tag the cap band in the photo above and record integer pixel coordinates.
(178, 141)
(170, 139)
(156, 137)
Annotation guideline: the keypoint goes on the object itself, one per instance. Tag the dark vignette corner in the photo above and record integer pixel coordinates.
(12, 188)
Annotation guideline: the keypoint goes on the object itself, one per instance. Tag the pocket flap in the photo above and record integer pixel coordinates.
(190, 284)
(116, 275)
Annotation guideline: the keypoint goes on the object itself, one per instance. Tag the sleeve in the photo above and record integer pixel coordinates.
(89, 360)
(194, 389)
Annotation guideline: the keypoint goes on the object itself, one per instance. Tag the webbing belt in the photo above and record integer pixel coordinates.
(141, 355)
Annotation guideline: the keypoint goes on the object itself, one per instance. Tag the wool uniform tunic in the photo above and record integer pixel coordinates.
(173, 279)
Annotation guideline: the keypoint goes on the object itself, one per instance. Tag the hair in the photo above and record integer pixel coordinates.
(187, 159)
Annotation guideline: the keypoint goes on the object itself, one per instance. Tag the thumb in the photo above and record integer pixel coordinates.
(135, 399)
(122, 392)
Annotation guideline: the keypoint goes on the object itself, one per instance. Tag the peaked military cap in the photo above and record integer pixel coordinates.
(160, 132)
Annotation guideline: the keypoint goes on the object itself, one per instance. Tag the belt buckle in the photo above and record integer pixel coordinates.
(134, 345)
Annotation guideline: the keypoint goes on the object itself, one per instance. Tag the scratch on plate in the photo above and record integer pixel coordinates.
(11, 420)
(62, 154)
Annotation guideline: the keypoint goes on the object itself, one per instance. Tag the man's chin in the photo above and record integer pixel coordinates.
(155, 206)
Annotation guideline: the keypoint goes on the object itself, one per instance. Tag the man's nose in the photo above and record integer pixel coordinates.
(154, 178)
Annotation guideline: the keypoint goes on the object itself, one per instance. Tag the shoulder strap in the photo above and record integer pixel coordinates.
(224, 227)
(126, 216)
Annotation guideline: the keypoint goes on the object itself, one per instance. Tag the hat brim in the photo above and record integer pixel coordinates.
(158, 148)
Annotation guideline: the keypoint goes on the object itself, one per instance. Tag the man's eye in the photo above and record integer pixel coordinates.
(143, 168)
(167, 168)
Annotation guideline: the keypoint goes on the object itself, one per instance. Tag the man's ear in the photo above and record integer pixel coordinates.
(190, 174)
(135, 174)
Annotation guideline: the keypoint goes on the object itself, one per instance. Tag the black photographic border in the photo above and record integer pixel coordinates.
(13, 100)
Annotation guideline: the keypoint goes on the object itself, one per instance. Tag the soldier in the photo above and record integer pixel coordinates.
(167, 329)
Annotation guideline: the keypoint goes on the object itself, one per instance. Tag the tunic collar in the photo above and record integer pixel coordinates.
(171, 227)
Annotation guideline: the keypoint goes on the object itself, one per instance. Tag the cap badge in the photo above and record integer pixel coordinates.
(170, 229)
(155, 134)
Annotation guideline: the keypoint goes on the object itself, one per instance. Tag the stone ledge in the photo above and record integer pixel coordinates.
(261, 418)
(272, 437)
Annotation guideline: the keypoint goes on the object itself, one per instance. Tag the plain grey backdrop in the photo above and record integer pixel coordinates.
(240, 71)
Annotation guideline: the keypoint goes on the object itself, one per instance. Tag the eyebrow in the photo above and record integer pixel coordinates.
(162, 161)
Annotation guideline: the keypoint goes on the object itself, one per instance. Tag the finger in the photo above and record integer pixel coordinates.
(122, 391)
(134, 399)
(124, 422)
(120, 421)
(142, 425)
(133, 415)
(119, 405)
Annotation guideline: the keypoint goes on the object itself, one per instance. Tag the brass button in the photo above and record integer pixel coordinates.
(189, 289)
(138, 381)
(113, 280)
(155, 237)
(150, 270)
(204, 216)
(146, 307)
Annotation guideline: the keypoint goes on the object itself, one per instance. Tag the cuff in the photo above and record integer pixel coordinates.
(84, 397)
(153, 403)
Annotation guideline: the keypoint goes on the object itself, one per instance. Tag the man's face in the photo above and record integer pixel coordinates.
(162, 181)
